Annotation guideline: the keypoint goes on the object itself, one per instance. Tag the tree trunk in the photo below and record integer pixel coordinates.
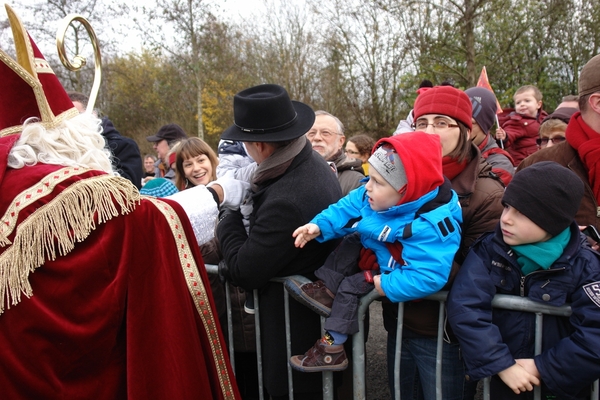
(200, 124)
(469, 35)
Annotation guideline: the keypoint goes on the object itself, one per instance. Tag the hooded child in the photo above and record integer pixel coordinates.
(408, 215)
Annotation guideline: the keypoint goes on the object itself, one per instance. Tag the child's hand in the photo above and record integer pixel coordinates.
(529, 365)
(305, 234)
(518, 379)
(500, 134)
(377, 283)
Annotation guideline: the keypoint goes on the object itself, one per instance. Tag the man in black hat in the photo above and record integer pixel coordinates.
(163, 142)
(291, 185)
(581, 149)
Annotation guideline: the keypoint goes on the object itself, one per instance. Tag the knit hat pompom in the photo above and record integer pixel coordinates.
(444, 100)
(386, 161)
(546, 193)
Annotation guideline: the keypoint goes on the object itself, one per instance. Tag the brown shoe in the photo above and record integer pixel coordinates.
(321, 357)
(314, 295)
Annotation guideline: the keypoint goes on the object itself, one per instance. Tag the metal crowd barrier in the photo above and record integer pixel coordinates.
(358, 339)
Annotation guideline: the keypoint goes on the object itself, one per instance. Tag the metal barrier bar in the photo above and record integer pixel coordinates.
(358, 348)
(328, 388)
(288, 344)
(486, 388)
(539, 324)
(508, 302)
(439, 351)
(399, 332)
(259, 346)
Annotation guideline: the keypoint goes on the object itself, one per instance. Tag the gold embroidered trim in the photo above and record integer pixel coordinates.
(29, 196)
(53, 229)
(42, 66)
(198, 292)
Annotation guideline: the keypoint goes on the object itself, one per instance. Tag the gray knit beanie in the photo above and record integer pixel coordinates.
(386, 161)
(547, 193)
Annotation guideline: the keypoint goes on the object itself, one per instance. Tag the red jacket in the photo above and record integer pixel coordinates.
(521, 133)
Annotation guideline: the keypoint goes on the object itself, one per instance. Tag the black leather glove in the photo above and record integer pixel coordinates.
(228, 212)
(223, 272)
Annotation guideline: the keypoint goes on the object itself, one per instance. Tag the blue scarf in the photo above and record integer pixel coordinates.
(541, 255)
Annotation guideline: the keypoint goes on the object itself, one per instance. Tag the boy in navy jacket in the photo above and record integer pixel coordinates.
(538, 252)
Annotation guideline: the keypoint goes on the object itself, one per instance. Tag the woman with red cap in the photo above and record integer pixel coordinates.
(447, 112)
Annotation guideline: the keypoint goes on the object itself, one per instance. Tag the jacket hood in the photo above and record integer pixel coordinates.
(108, 128)
(421, 156)
(344, 163)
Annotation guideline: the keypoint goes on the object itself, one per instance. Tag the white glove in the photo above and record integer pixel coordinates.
(234, 191)
(201, 209)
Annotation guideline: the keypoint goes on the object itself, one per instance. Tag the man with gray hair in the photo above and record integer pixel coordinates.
(327, 138)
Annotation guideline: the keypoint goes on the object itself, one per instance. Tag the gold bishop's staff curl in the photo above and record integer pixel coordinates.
(80, 61)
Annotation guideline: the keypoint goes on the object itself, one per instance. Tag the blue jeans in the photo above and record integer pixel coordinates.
(417, 369)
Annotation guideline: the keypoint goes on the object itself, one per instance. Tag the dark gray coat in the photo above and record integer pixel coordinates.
(280, 206)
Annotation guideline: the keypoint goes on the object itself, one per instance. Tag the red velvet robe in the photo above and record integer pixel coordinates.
(126, 313)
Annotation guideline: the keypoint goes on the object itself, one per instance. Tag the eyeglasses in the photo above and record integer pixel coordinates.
(354, 153)
(324, 134)
(438, 124)
(543, 142)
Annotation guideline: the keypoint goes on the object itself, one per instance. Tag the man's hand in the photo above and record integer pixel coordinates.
(305, 234)
(518, 379)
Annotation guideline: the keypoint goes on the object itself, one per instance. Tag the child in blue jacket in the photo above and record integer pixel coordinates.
(408, 215)
(538, 252)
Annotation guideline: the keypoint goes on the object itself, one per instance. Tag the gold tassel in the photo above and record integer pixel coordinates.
(53, 229)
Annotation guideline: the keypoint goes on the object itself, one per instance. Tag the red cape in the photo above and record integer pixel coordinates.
(127, 313)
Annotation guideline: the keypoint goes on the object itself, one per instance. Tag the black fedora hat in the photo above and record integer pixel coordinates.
(265, 113)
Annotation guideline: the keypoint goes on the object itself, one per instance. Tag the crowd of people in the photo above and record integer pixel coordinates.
(103, 285)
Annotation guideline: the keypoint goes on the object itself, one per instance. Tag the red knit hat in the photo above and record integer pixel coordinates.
(29, 86)
(445, 100)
